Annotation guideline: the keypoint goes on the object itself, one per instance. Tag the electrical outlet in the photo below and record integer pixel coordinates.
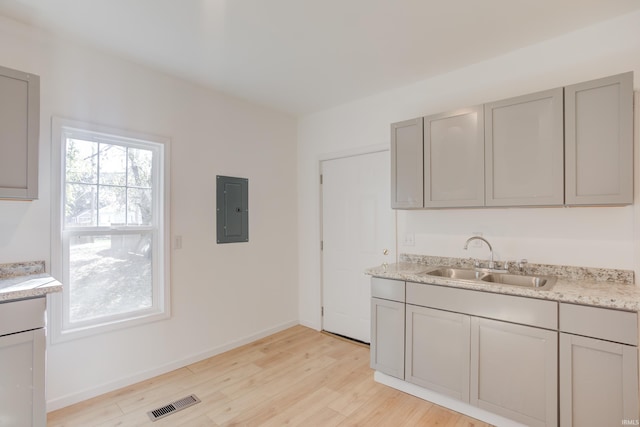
(409, 239)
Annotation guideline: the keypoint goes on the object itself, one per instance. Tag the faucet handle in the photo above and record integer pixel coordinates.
(521, 264)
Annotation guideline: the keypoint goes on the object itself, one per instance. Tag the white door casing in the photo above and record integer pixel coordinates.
(358, 226)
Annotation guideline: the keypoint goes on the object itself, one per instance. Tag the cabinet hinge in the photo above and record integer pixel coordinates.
(320, 179)
(321, 245)
(321, 311)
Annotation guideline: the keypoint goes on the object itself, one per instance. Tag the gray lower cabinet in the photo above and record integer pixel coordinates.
(454, 159)
(524, 150)
(598, 367)
(19, 134)
(598, 382)
(22, 363)
(387, 326)
(599, 141)
(437, 351)
(407, 164)
(506, 365)
(514, 371)
(538, 362)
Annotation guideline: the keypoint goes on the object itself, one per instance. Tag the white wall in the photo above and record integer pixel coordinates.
(222, 295)
(598, 237)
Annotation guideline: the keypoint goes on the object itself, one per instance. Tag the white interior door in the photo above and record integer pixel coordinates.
(358, 226)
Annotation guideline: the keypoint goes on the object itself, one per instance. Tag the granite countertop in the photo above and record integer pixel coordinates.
(578, 285)
(25, 280)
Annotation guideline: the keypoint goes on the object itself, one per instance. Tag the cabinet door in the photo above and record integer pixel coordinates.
(22, 359)
(599, 141)
(19, 134)
(437, 354)
(524, 150)
(514, 371)
(407, 164)
(598, 382)
(387, 337)
(454, 159)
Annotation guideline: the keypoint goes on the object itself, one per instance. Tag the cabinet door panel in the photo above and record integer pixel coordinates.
(598, 382)
(514, 371)
(524, 150)
(387, 337)
(599, 141)
(438, 351)
(19, 134)
(22, 364)
(454, 158)
(407, 164)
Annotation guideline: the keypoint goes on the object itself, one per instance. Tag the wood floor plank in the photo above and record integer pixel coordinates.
(295, 377)
(201, 421)
(85, 417)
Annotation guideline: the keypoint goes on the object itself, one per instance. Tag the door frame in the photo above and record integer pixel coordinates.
(359, 151)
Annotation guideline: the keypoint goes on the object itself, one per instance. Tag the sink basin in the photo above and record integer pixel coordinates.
(540, 282)
(536, 282)
(457, 273)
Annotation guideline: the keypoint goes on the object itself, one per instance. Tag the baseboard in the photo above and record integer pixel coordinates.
(445, 401)
(89, 393)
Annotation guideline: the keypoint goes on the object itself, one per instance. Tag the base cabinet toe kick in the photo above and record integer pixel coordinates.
(504, 359)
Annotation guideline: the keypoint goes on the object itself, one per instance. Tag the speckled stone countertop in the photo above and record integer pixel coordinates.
(25, 280)
(607, 288)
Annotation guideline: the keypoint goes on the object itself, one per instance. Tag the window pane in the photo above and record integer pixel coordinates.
(109, 275)
(139, 169)
(112, 206)
(81, 161)
(139, 206)
(113, 164)
(80, 207)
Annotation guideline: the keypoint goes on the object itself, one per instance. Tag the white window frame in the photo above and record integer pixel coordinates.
(60, 328)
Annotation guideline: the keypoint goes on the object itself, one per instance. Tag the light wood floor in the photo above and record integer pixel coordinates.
(295, 377)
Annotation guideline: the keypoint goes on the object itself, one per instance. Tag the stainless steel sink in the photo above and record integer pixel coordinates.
(457, 273)
(536, 282)
(539, 282)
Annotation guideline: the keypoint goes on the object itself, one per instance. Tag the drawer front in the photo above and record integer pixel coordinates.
(611, 325)
(23, 315)
(526, 311)
(387, 289)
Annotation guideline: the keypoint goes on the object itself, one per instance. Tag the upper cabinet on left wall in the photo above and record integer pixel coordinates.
(19, 134)
(568, 146)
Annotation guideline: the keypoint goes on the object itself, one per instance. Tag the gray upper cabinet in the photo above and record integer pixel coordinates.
(407, 164)
(599, 141)
(19, 134)
(454, 159)
(524, 150)
(568, 146)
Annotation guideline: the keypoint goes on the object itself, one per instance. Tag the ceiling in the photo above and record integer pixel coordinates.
(302, 56)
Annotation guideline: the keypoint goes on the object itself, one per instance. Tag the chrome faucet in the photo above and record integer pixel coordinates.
(491, 263)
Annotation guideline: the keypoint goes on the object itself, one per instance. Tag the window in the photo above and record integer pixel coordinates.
(111, 220)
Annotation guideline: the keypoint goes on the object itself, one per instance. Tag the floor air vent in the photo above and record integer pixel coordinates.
(173, 407)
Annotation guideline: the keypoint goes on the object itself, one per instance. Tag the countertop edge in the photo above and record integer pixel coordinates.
(42, 289)
(605, 295)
